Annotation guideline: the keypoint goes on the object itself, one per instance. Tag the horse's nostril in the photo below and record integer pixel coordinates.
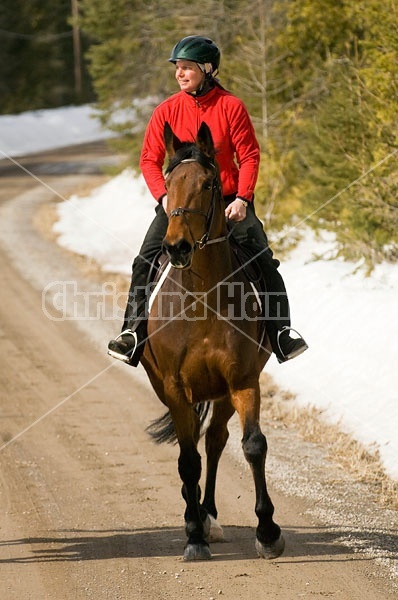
(180, 253)
(182, 247)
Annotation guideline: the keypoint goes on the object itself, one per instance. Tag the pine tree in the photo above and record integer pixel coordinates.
(348, 122)
(37, 63)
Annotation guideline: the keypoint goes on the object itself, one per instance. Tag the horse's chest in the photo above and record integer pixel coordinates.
(205, 365)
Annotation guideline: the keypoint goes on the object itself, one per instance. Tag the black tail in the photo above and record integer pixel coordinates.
(162, 430)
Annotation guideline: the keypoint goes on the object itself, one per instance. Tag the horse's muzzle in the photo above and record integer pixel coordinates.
(180, 253)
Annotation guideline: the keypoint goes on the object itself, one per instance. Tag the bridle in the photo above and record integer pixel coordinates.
(209, 215)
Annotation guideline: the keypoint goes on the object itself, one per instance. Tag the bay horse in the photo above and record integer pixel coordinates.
(202, 347)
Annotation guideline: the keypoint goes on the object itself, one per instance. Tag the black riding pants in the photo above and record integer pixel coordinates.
(140, 284)
(248, 233)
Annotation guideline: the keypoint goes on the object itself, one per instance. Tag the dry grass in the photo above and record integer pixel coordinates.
(362, 463)
(44, 220)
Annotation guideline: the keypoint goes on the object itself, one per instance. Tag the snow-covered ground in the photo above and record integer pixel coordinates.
(39, 130)
(348, 319)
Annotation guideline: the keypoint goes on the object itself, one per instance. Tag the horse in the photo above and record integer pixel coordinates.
(202, 348)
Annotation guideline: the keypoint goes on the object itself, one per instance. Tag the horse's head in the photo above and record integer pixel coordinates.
(193, 189)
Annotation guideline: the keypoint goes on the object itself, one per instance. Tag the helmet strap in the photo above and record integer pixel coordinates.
(208, 70)
(208, 82)
(206, 86)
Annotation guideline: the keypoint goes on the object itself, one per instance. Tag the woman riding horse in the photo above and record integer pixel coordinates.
(203, 99)
(205, 346)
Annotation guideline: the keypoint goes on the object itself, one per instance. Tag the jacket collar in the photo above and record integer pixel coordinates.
(205, 98)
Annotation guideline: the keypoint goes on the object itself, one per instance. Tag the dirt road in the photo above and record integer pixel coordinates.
(89, 506)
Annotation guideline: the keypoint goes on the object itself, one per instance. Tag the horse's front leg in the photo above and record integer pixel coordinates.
(189, 467)
(269, 540)
(186, 423)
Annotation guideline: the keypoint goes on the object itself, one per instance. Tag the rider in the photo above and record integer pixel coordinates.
(202, 98)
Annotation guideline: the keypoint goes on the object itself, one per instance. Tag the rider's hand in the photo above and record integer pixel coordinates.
(236, 211)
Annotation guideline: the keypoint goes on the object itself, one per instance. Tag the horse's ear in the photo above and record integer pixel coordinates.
(171, 141)
(204, 140)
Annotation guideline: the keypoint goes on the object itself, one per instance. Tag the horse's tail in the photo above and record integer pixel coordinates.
(162, 430)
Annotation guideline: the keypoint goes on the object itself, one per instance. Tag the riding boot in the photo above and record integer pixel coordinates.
(250, 234)
(284, 346)
(129, 345)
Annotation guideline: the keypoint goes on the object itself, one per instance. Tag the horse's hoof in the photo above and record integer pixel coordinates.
(197, 552)
(215, 533)
(270, 551)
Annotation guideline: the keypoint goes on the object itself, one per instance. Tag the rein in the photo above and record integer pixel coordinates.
(209, 215)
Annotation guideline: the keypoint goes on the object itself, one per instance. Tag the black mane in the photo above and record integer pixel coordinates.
(189, 150)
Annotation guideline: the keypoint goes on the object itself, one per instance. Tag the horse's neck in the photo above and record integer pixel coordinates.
(210, 265)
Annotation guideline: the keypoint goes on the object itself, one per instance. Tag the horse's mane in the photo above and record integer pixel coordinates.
(189, 150)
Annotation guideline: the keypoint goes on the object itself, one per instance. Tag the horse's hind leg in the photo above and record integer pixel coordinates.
(216, 438)
(269, 540)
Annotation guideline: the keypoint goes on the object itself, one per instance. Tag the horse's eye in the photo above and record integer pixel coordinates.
(207, 185)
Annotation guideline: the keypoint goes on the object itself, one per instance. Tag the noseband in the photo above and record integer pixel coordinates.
(209, 215)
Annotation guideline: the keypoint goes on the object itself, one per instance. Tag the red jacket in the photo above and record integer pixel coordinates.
(231, 129)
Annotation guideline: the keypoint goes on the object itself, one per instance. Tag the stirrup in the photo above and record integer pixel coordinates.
(294, 353)
(130, 353)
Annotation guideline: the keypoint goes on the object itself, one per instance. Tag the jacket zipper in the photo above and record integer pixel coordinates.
(198, 106)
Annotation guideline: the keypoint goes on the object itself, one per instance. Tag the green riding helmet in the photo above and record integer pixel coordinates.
(198, 49)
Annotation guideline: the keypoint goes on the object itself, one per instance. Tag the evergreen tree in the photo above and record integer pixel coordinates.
(348, 123)
(37, 62)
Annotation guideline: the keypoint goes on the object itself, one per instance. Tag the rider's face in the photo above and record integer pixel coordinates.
(189, 76)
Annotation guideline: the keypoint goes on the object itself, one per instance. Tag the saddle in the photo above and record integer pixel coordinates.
(254, 274)
(249, 266)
